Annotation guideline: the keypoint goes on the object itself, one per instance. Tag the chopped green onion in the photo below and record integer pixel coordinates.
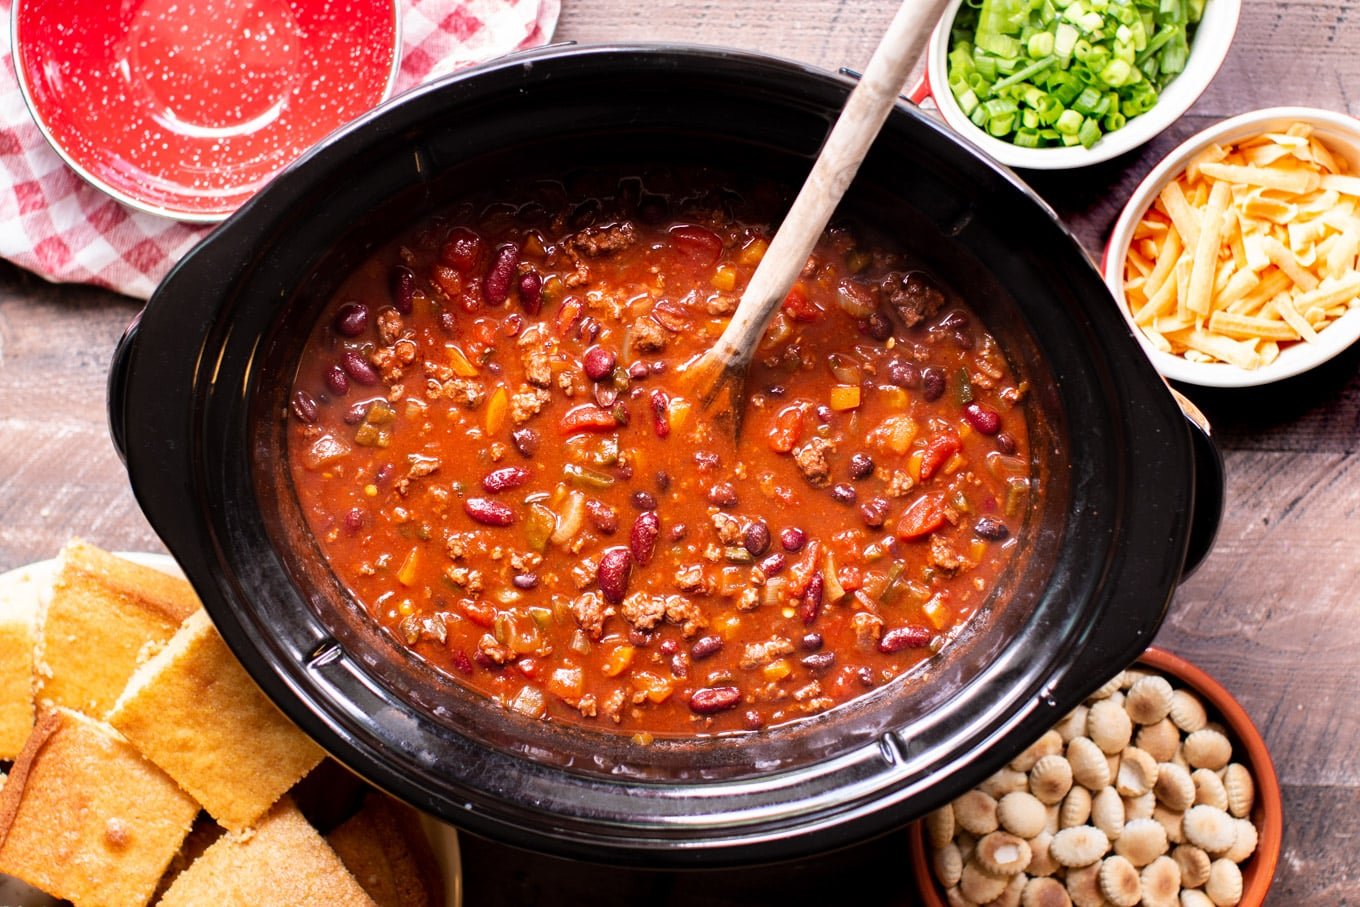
(1041, 73)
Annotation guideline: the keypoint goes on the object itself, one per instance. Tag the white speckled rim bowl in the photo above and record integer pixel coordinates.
(1341, 134)
(1207, 50)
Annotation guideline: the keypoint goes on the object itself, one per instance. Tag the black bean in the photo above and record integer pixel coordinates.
(991, 529)
(932, 384)
(903, 373)
(843, 493)
(878, 327)
(861, 466)
(776, 390)
(955, 320)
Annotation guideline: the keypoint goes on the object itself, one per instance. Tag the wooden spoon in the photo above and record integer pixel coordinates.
(718, 376)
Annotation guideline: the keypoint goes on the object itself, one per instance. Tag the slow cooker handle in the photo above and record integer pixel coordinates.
(1209, 481)
(117, 391)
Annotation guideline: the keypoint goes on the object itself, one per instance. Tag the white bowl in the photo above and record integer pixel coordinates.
(1341, 134)
(1209, 46)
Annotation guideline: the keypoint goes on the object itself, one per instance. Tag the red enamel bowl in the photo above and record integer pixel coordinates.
(185, 108)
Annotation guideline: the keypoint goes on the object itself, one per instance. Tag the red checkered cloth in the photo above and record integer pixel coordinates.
(55, 224)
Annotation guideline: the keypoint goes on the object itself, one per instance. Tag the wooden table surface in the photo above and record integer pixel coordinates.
(1272, 613)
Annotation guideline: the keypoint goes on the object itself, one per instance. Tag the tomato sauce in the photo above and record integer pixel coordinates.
(492, 440)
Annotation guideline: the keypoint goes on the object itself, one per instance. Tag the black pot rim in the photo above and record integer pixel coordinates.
(175, 419)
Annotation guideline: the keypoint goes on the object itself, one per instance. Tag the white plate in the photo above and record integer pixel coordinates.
(26, 586)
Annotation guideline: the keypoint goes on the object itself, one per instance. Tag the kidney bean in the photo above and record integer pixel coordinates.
(705, 460)
(865, 676)
(531, 292)
(752, 720)
(606, 394)
(496, 284)
(705, 646)
(383, 474)
(955, 320)
(755, 538)
(810, 605)
(643, 500)
(640, 638)
(642, 537)
(722, 494)
(710, 700)
(304, 407)
(991, 529)
(812, 642)
(843, 493)
(356, 412)
(680, 665)
(669, 646)
(489, 513)
(507, 477)
(772, 564)
(903, 373)
(663, 481)
(874, 512)
(448, 322)
(899, 638)
(776, 390)
(612, 574)
(823, 413)
(598, 363)
(878, 326)
(525, 441)
(357, 367)
(793, 539)
(525, 580)
(661, 406)
(932, 384)
(861, 466)
(638, 370)
(337, 381)
(818, 662)
(987, 421)
(461, 662)
(403, 287)
(354, 519)
(1005, 442)
(510, 327)
(351, 319)
(604, 518)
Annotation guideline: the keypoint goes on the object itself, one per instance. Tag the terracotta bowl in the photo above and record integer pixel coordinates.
(1249, 748)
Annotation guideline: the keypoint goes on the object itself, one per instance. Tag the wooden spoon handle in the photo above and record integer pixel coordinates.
(832, 173)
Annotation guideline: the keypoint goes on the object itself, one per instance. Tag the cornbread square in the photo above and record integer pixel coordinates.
(385, 849)
(86, 818)
(103, 613)
(194, 711)
(282, 862)
(20, 593)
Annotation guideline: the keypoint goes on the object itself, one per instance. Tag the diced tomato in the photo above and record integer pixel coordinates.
(481, 613)
(463, 250)
(529, 667)
(568, 314)
(588, 417)
(938, 450)
(798, 307)
(699, 243)
(567, 682)
(787, 428)
(851, 578)
(922, 517)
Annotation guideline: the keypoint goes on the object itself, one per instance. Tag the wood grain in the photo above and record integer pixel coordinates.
(1272, 612)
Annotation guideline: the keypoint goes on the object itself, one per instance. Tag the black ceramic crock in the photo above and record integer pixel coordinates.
(197, 406)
